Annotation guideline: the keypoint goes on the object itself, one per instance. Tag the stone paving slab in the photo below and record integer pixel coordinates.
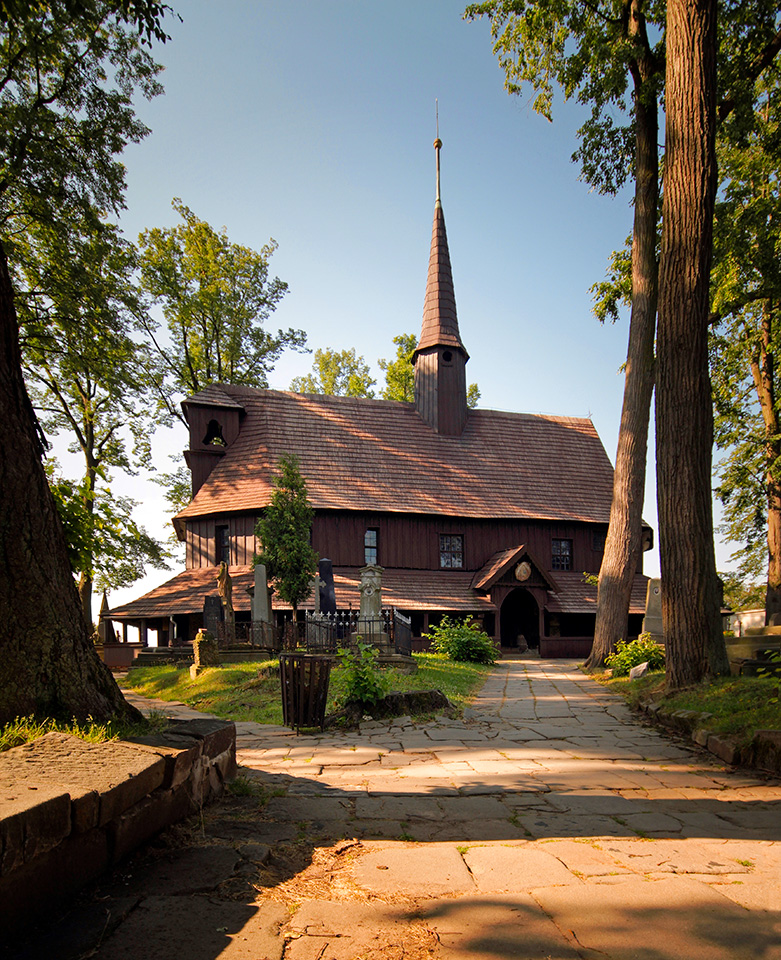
(501, 869)
(429, 870)
(666, 919)
(493, 927)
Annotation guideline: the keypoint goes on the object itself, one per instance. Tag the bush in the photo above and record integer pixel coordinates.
(464, 642)
(364, 682)
(631, 653)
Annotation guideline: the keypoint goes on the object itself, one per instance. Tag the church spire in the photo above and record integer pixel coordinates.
(440, 356)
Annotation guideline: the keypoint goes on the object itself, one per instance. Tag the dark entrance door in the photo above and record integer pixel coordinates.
(520, 615)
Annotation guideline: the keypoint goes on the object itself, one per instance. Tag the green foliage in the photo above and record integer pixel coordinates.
(746, 333)
(737, 706)
(250, 691)
(26, 729)
(78, 309)
(740, 594)
(588, 52)
(66, 107)
(339, 373)
(284, 531)
(364, 682)
(631, 653)
(215, 296)
(462, 641)
(399, 372)
(104, 541)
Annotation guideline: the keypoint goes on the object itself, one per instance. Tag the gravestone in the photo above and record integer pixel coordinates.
(370, 624)
(652, 621)
(261, 596)
(212, 614)
(105, 626)
(225, 587)
(326, 593)
(205, 652)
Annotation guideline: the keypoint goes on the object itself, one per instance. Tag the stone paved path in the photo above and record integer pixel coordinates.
(549, 823)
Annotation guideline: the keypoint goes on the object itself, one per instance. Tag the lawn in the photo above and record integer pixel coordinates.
(251, 691)
(739, 705)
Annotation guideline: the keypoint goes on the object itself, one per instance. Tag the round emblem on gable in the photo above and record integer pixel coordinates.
(523, 571)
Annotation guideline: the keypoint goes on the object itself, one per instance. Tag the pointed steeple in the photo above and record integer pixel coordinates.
(440, 356)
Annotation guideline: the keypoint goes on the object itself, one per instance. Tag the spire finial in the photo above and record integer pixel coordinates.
(437, 146)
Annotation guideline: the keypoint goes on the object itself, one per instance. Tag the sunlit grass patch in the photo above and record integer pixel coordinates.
(251, 691)
(25, 729)
(739, 706)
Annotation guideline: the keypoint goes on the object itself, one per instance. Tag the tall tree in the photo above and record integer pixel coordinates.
(601, 54)
(66, 111)
(400, 373)
(78, 308)
(746, 335)
(691, 592)
(339, 373)
(216, 297)
(285, 531)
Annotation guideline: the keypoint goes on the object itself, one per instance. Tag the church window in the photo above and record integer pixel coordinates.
(598, 542)
(371, 542)
(222, 536)
(451, 551)
(562, 555)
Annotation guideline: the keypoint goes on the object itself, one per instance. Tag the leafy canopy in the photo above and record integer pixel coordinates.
(399, 372)
(216, 296)
(284, 531)
(339, 373)
(66, 107)
(78, 308)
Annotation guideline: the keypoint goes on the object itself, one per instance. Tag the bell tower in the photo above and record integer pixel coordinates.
(440, 357)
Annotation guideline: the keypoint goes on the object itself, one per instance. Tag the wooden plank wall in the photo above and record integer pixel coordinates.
(412, 542)
(201, 544)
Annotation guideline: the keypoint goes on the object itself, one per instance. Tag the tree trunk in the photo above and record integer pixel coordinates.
(691, 592)
(623, 547)
(48, 664)
(763, 370)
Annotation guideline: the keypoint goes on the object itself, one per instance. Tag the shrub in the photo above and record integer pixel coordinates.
(364, 682)
(631, 653)
(461, 641)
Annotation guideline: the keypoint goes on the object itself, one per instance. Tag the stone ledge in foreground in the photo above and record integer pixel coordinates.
(69, 810)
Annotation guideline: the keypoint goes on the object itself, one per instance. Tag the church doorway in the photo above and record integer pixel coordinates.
(520, 615)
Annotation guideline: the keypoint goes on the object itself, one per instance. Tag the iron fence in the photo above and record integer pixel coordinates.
(322, 633)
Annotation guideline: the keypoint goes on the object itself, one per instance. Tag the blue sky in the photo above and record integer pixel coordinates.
(312, 123)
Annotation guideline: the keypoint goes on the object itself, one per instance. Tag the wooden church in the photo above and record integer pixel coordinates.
(479, 513)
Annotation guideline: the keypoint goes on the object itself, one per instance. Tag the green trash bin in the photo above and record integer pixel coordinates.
(304, 678)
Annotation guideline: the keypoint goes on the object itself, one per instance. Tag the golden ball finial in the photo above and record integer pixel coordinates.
(437, 143)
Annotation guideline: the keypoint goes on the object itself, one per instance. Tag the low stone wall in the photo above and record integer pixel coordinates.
(69, 810)
(763, 752)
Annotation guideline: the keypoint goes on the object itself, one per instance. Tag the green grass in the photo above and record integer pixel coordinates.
(739, 705)
(244, 691)
(25, 729)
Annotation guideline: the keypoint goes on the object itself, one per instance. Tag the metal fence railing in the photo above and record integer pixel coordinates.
(322, 633)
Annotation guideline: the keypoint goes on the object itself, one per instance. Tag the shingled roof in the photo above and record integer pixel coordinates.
(447, 590)
(381, 456)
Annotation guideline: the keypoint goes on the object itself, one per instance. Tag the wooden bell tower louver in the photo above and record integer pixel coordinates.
(440, 357)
